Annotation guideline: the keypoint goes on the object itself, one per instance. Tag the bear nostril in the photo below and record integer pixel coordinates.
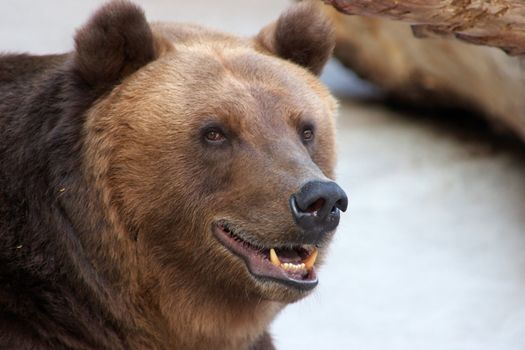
(316, 206)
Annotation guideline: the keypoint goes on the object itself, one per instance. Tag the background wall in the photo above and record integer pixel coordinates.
(431, 254)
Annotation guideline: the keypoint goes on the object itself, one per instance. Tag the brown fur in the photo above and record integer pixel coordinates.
(302, 35)
(148, 189)
(115, 42)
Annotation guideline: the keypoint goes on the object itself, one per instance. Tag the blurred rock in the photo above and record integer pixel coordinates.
(434, 71)
(498, 23)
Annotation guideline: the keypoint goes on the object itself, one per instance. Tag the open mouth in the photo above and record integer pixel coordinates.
(292, 265)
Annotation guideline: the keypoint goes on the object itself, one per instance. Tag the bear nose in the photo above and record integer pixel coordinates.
(316, 208)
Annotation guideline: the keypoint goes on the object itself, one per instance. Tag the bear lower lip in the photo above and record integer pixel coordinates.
(293, 267)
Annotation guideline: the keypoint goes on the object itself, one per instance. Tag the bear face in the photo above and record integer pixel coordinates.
(184, 185)
(202, 198)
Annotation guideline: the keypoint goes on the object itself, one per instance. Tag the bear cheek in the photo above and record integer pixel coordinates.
(192, 194)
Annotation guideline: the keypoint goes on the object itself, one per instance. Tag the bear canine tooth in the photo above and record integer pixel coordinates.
(274, 258)
(310, 261)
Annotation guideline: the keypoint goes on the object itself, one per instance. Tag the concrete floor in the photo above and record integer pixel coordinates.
(431, 253)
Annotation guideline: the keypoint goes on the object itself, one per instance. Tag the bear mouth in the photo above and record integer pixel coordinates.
(291, 265)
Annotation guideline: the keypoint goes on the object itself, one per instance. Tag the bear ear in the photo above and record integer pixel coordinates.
(303, 34)
(115, 42)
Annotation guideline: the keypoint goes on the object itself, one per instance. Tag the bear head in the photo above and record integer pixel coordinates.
(212, 157)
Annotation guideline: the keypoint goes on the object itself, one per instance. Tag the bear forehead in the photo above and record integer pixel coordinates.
(212, 70)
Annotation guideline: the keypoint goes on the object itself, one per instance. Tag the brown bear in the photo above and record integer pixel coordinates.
(164, 186)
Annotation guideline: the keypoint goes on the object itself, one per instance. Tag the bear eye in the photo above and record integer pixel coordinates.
(214, 135)
(307, 134)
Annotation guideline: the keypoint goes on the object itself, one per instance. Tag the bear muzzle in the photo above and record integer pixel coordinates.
(316, 211)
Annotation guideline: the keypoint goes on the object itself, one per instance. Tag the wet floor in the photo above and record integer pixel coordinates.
(431, 252)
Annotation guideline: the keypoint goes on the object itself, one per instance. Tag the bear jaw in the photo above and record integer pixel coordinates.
(296, 271)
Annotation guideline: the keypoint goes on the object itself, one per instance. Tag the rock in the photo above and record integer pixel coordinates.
(434, 71)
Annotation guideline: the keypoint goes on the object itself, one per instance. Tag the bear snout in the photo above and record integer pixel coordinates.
(316, 209)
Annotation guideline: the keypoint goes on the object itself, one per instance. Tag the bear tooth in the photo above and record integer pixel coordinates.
(274, 258)
(291, 266)
(310, 261)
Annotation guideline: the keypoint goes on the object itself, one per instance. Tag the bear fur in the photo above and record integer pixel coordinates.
(108, 187)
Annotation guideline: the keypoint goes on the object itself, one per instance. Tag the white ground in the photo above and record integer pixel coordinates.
(431, 252)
